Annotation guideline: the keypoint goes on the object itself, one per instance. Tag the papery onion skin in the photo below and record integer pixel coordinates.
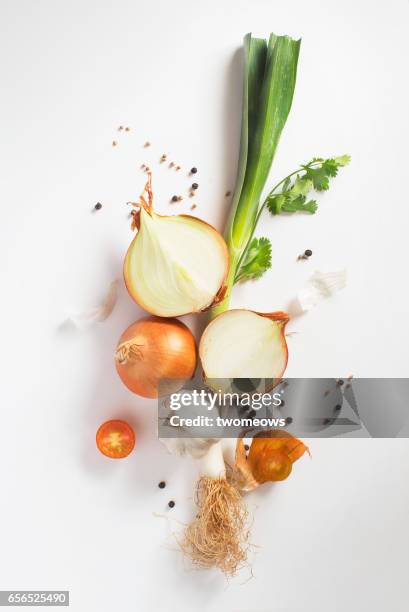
(241, 473)
(155, 350)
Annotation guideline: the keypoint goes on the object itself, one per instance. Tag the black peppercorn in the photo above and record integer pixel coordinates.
(193, 170)
(195, 185)
(174, 198)
(308, 253)
(98, 206)
(162, 484)
(171, 504)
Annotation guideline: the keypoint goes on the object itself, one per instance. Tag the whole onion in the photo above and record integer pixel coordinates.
(154, 351)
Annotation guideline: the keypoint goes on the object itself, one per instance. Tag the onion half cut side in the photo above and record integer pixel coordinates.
(176, 264)
(244, 344)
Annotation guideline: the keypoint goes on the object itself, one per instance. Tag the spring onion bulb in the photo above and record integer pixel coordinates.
(218, 536)
(176, 264)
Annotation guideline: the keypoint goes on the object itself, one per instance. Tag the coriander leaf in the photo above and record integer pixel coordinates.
(330, 167)
(275, 203)
(286, 184)
(324, 169)
(343, 160)
(293, 199)
(256, 261)
(299, 204)
(314, 175)
(319, 177)
(302, 186)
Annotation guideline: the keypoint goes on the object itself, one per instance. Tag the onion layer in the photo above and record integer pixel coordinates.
(244, 344)
(155, 356)
(175, 265)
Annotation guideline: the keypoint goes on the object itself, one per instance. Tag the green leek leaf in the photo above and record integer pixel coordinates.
(269, 82)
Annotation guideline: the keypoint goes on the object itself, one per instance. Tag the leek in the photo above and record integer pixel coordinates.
(269, 82)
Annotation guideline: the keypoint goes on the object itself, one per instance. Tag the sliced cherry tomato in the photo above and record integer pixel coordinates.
(115, 439)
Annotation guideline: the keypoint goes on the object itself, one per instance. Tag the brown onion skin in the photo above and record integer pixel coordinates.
(164, 349)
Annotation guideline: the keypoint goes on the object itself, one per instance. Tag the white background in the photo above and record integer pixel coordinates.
(333, 537)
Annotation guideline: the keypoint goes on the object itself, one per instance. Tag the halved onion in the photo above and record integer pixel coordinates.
(244, 344)
(175, 265)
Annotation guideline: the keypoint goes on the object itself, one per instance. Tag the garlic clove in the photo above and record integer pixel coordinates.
(192, 447)
(320, 286)
(87, 318)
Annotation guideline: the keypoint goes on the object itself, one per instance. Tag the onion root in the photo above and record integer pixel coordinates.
(218, 536)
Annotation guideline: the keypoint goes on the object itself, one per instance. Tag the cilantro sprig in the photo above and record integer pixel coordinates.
(294, 191)
(256, 261)
(290, 195)
(292, 198)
